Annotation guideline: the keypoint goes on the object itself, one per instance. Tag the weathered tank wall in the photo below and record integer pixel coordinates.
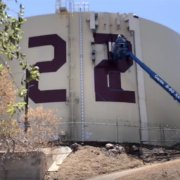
(106, 119)
(160, 47)
(100, 101)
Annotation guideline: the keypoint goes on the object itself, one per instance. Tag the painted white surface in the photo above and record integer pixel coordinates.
(110, 121)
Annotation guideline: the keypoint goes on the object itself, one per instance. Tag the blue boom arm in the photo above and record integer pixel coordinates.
(121, 51)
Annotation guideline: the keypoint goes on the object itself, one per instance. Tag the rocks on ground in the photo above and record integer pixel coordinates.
(146, 153)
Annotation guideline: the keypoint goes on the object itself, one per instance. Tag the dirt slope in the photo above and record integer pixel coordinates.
(90, 161)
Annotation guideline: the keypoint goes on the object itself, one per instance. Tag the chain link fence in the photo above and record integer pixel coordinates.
(119, 133)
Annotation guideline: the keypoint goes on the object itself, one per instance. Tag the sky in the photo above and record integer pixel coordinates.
(165, 12)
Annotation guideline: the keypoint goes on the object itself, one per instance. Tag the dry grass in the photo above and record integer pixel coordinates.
(7, 91)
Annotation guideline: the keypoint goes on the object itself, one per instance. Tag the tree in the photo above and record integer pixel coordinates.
(44, 122)
(10, 33)
(10, 37)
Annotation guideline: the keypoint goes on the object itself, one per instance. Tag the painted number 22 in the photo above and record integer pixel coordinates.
(106, 89)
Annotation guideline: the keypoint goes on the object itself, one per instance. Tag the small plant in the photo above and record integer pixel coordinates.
(10, 36)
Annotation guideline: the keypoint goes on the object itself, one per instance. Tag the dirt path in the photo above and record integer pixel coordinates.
(160, 171)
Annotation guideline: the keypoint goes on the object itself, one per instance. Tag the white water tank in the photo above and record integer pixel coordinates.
(97, 100)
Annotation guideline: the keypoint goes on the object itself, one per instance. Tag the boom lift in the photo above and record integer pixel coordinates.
(121, 50)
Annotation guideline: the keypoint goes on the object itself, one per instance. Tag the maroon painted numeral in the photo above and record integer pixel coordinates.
(59, 45)
(107, 75)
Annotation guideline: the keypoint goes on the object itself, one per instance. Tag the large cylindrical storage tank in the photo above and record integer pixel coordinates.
(99, 100)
